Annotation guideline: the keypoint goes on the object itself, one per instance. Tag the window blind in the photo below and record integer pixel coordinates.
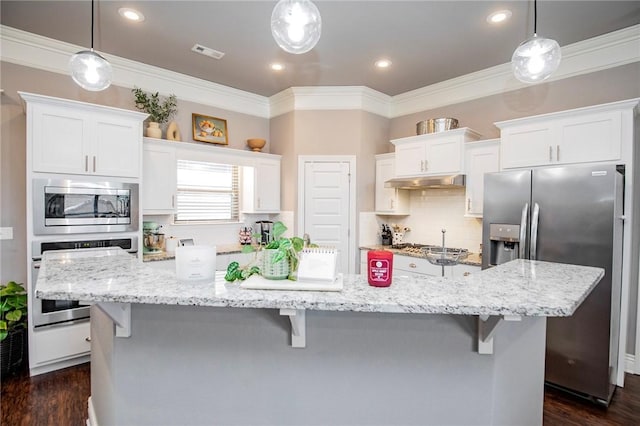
(206, 192)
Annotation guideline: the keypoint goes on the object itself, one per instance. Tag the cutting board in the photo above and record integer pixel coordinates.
(258, 282)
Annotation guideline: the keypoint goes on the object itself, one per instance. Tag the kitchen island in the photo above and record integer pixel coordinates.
(424, 351)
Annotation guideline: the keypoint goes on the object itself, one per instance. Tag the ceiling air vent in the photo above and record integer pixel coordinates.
(198, 48)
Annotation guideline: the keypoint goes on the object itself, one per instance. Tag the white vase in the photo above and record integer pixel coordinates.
(154, 130)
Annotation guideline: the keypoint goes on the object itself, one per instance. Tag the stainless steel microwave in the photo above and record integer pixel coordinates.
(65, 206)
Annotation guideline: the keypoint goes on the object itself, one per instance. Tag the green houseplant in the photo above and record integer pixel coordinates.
(13, 326)
(280, 257)
(160, 111)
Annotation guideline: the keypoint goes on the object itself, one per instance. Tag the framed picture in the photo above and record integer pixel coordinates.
(210, 129)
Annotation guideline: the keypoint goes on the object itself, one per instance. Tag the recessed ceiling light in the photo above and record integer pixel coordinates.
(499, 16)
(131, 14)
(383, 63)
(277, 67)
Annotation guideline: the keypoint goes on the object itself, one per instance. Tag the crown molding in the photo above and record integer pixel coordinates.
(23, 48)
(607, 51)
(330, 98)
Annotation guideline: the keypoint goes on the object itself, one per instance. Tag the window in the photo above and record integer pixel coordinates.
(207, 192)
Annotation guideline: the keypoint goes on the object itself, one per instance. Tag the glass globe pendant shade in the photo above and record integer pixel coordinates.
(90, 70)
(296, 25)
(536, 59)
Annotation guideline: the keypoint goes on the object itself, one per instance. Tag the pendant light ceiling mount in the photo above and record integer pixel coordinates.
(89, 69)
(296, 25)
(536, 58)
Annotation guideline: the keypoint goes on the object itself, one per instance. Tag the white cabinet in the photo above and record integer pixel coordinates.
(47, 344)
(575, 136)
(78, 138)
(417, 267)
(389, 201)
(363, 262)
(159, 178)
(432, 154)
(261, 187)
(480, 157)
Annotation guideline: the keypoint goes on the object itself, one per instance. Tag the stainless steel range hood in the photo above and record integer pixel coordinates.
(422, 182)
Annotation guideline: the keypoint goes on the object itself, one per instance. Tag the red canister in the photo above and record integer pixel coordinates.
(379, 266)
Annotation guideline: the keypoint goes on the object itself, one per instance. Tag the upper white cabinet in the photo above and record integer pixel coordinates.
(432, 154)
(261, 186)
(576, 136)
(480, 157)
(389, 201)
(159, 178)
(78, 138)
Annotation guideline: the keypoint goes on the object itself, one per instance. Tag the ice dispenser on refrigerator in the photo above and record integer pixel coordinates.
(504, 243)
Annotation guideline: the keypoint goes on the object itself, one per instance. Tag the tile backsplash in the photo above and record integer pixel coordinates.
(431, 211)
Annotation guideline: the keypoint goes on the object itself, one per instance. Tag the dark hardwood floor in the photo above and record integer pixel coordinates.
(60, 399)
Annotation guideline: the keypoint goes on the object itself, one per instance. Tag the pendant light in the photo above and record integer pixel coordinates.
(296, 25)
(536, 58)
(90, 70)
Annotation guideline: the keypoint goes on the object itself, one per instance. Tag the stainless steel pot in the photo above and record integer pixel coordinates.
(434, 125)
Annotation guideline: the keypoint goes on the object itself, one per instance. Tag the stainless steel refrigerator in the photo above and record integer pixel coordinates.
(569, 215)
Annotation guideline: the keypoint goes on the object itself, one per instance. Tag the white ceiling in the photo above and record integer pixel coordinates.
(427, 41)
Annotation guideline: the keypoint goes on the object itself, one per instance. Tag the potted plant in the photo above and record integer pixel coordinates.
(13, 326)
(279, 258)
(160, 111)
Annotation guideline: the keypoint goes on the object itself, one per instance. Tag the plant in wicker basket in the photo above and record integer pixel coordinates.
(13, 325)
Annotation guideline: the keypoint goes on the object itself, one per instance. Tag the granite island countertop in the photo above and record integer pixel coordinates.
(520, 287)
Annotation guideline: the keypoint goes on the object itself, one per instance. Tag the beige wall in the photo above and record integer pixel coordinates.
(590, 89)
(16, 78)
(351, 132)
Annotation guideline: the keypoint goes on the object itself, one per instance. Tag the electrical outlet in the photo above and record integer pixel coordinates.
(6, 233)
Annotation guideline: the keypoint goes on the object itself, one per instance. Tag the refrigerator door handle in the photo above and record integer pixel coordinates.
(523, 231)
(534, 232)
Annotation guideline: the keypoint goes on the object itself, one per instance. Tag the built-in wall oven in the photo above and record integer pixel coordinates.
(58, 312)
(66, 206)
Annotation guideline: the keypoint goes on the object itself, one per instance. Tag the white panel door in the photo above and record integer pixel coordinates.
(326, 207)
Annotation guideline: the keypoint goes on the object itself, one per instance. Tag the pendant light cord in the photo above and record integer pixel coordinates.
(535, 17)
(92, 25)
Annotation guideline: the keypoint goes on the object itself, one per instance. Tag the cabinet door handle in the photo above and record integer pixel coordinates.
(426, 165)
(466, 274)
(173, 201)
(557, 152)
(413, 265)
(391, 204)
(94, 164)
(258, 202)
(86, 163)
(550, 153)
(468, 204)
(422, 165)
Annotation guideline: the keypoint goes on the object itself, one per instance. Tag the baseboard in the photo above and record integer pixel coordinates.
(91, 418)
(630, 364)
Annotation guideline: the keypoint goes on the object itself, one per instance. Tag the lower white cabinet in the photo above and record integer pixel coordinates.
(480, 157)
(54, 344)
(416, 267)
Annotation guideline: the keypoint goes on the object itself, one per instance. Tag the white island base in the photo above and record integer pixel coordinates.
(190, 365)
